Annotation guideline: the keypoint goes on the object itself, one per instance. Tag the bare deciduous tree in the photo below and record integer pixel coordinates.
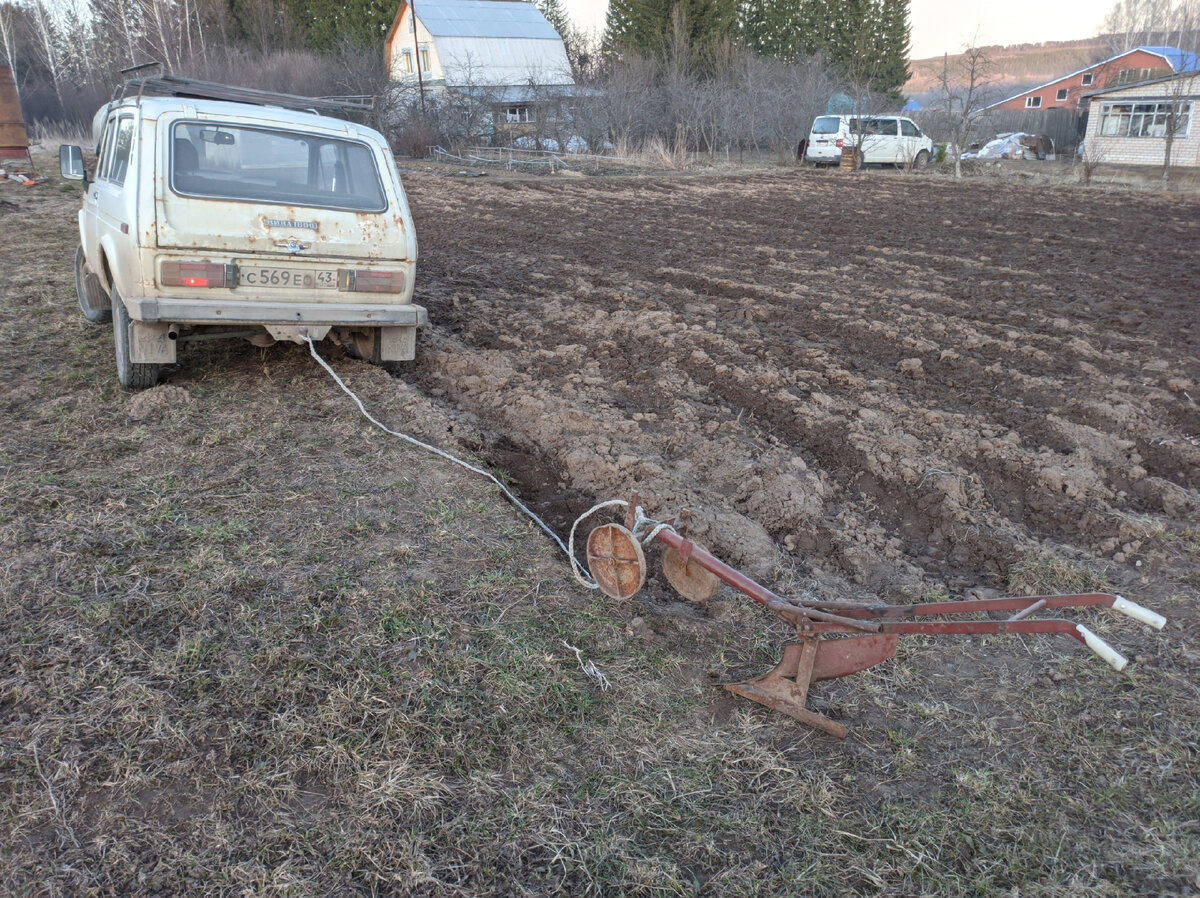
(966, 88)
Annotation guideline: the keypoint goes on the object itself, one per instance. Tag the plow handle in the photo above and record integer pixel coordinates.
(1138, 613)
(1115, 659)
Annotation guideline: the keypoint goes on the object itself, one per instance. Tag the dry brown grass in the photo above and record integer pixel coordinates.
(251, 646)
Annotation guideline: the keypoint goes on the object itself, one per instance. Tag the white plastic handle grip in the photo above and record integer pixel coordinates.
(1137, 612)
(1115, 659)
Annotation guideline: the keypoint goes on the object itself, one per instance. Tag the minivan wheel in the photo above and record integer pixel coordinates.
(132, 375)
(922, 160)
(92, 300)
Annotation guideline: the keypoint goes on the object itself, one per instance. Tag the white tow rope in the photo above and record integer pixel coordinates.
(580, 572)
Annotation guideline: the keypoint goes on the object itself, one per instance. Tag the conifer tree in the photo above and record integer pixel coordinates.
(648, 26)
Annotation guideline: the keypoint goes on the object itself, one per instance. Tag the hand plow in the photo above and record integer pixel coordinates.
(863, 635)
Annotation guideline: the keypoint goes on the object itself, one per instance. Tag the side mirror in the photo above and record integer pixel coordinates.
(70, 163)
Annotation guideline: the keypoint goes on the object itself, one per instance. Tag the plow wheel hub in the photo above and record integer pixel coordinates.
(690, 580)
(616, 561)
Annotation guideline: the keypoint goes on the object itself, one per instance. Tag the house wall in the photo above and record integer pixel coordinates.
(475, 61)
(400, 38)
(1103, 75)
(1185, 150)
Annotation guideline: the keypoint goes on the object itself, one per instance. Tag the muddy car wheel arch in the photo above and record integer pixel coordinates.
(93, 302)
(132, 375)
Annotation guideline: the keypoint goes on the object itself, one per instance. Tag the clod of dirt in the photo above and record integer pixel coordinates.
(149, 403)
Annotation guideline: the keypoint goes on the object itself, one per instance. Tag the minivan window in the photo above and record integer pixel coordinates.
(826, 124)
(908, 129)
(231, 162)
(875, 126)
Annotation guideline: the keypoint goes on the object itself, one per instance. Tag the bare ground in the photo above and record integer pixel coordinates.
(253, 645)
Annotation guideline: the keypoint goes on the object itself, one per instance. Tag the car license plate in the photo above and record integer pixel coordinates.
(288, 277)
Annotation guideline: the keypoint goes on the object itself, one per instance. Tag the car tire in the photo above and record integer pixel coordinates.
(93, 302)
(367, 345)
(922, 160)
(132, 375)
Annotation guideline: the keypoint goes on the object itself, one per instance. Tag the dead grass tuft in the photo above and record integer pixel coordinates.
(1040, 574)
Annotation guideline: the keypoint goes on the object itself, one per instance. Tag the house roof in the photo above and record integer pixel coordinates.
(1192, 73)
(484, 18)
(1178, 60)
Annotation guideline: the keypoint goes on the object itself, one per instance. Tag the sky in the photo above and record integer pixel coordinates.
(947, 26)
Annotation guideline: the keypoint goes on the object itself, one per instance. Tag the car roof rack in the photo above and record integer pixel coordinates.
(192, 88)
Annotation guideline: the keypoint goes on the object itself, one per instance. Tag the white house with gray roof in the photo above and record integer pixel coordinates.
(476, 43)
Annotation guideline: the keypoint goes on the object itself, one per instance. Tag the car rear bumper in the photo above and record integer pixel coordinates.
(225, 311)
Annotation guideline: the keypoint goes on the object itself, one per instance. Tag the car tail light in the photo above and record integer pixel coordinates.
(359, 281)
(839, 143)
(198, 274)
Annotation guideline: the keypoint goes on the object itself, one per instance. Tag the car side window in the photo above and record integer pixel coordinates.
(122, 148)
(908, 129)
(106, 149)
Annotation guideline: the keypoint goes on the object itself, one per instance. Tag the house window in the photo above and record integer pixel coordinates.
(408, 62)
(1142, 119)
(518, 115)
(1132, 76)
(425, 58)
(1033, 102)
(1062, 94)
(1086, 81)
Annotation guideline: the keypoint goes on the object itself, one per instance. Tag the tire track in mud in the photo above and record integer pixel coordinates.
(778, 354)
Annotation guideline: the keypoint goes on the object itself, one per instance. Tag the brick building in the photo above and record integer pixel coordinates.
(1128, 124)
(1132, 66)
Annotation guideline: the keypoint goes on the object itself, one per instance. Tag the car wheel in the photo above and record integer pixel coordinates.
(367, 345)
(93, 302)
(132, 375)
(922, 160)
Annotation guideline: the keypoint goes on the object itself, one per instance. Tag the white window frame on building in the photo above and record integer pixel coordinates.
(1131, 119)
(1086, 80)
(408, 62)
(425, 59)
(1033, 102)
(519, 115)
(1062, 94)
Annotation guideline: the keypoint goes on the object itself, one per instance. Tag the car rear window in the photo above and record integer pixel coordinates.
(262, 165)
(826, 124)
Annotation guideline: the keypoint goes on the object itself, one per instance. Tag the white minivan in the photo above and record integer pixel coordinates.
(222, 212)
(884, 140)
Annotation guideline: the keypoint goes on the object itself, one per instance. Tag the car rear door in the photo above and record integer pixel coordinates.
(910, 140)
(254, 189)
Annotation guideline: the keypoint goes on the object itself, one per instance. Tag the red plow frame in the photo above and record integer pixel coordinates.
(863, 634)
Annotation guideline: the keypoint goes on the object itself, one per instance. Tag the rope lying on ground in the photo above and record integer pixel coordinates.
(581, 573)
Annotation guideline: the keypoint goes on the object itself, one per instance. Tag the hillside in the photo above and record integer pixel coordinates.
(1016, 67)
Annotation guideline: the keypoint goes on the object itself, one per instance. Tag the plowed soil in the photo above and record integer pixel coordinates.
(251, 645)
(881, 379)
